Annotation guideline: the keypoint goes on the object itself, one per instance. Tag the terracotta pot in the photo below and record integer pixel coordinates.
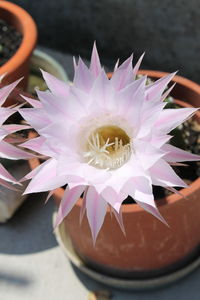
(150, 248)
(18, 65)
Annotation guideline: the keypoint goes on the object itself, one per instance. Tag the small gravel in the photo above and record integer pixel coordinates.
(10, 40)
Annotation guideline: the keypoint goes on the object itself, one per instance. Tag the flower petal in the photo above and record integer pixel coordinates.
(83, 77)
(155, 90)
(152, 210)
(57, 87)
(96, 210)
(46, 178)
(69, 198)
(162, 174)
(123, 75)
(12, 152)
(171, 118)
(6, 90)
(175, 154)
(95, 65)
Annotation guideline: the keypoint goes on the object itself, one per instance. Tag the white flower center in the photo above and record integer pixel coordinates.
(108, 147)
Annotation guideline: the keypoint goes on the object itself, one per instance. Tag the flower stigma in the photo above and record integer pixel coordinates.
(108, 147)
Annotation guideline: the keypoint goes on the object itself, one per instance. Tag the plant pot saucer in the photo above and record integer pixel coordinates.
(64, 242)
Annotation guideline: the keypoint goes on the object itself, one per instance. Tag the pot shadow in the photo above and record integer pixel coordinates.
(16, 280)
(183, 288)
(30, 229)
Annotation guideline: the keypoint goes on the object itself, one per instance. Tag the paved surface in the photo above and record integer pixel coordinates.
(33, 267)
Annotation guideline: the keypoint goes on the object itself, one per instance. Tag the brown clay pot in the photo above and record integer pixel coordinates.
(149, 248)
(18, 65)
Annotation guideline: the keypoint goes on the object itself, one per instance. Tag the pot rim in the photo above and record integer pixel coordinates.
(29, 31)
(171, 199)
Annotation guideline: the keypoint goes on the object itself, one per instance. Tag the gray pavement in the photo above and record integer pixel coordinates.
(33, 267)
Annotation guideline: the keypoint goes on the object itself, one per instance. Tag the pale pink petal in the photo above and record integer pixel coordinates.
(6, 90)
(171, 118)
(10, 128)
(140, 189)
(152, 210)
(146, 153)
(102, 94)
(96, 210)
(155, 90)
(5, 113)
(119, 219)
(175, 154)
(111, 197)
(123, 75)
(83, 206)
(36, 117)
(83, 77)
(69, 198)
(46, 178)
(164, 96)
(95, 65)
(33, 102)
(137, 66)
(56, 86)
(116, 66)
(49, 196)
(39, 145)
(9, 186)
(12, 152)
(129, 102)
(35, 171)
(159, 141)
(6, 176)
(162, 174)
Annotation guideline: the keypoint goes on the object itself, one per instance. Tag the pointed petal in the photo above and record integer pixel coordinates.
(175, 154)
(119, 219)
(111, 197)
(9, 186)
(123, 75)
(56, 86)
(146, 153)
(155, 90)
(137, 66)
(102, 94)
(5, 113)
(49, 196)
(35, 117)
(6, 176)
(83, 206)
(69, 199)
(171, 118)
(82, 77)
(11, 128)
(33, 102)
(164, 96)
(95, 65)
(39, 145)
(12, 152)
(140, 189)
(6, 90)
(152, 210)
(46, 178)
(162, 174)
(96, 210)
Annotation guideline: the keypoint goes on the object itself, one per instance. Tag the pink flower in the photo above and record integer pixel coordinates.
(7, 150)
(104, 138)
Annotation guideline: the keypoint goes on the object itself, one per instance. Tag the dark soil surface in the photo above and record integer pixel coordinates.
(10, 40)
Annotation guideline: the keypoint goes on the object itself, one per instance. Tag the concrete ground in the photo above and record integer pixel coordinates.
(33, 267)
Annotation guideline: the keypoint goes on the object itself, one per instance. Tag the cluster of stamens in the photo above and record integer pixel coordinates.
(108, 147)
